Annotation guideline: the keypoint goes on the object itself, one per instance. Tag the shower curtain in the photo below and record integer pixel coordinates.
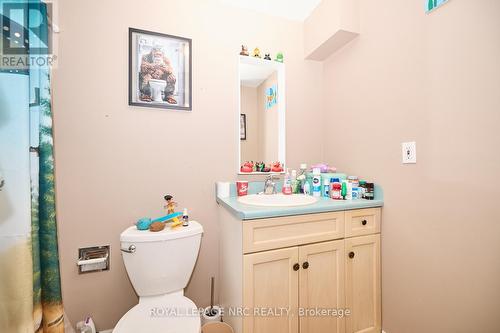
(30, 289)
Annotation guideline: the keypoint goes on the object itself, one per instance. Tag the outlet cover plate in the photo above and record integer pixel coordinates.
(409, 150)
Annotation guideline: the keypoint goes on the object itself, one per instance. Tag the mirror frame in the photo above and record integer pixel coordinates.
(280, 69)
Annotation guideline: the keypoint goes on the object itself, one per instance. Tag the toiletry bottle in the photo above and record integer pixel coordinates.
(370, 191)
(287, 184)
(343, 191)
(301, 177)
(355, 193)
(307, 188)
(362, 189)
(335, 189)
(348, 195)
(295, 182)
(326, 187)
(185, 218)
(316, 182)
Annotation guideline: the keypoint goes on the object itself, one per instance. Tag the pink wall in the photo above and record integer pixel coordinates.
(115, 162)
(434, 79)
(249, 106)
(268, 122)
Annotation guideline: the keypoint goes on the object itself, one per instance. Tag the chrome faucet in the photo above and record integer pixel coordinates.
(270, 185)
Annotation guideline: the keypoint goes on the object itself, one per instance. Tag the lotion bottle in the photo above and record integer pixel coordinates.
(316, 182)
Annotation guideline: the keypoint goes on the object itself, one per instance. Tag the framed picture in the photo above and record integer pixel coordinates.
(159, 70)
(243, 126)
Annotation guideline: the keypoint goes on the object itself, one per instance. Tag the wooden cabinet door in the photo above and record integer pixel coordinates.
(322, 287)
(362, 284)
(270, 281)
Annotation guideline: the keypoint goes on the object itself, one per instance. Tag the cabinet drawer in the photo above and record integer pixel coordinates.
(362, 222)
(267, 234)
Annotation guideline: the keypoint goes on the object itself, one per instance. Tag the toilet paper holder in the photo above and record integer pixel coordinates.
(93, 259)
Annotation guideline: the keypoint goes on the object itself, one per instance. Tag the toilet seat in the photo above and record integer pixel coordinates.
(162, 314)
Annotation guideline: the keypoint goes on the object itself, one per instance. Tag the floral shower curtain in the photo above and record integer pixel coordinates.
(30, 289)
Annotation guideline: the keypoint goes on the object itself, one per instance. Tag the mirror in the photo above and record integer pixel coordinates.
(261, 112)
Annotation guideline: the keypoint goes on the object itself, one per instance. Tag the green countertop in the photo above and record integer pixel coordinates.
(323, 205)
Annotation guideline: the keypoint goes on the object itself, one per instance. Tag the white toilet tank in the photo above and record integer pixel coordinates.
(160, 262)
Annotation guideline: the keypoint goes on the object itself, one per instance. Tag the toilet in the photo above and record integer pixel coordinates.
(157, 87)
(159, 265)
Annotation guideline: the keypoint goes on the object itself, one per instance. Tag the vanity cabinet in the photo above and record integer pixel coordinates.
(270, 281)
(362, 284)
(283, 271)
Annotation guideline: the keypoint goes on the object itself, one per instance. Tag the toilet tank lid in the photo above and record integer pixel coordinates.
(131, 234)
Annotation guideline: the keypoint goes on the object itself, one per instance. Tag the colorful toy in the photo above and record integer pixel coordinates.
(267, 56)
(170, 206)
(157, 226)
(247, 167)
(145, 222)
(277, 167)
(244, 50)
(256, 53)
(279, 57)
(176, 224)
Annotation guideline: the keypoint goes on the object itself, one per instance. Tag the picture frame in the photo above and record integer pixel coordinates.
(160, 70)
(243, 127)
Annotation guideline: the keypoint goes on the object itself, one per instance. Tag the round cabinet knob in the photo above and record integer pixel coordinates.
(351, 255)
(364, 222)
(305, 265)
(296, 267)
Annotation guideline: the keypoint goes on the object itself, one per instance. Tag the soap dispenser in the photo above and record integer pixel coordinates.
(287, 184)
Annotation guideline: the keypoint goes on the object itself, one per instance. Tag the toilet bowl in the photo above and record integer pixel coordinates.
(157, 87)
(159, 265)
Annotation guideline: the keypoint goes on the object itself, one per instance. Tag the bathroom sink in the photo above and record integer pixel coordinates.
(277, 200)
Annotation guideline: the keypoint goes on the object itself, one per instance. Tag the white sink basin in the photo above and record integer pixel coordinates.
(277, 200)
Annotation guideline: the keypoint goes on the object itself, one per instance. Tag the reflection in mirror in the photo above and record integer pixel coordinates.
(262, 112)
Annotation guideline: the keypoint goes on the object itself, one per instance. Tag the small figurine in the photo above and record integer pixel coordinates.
(256, 53)
(244, 50)
(247, 167)
(260, 166)
(277, 167)
(279, 57)
(170, 206)
(267, 56)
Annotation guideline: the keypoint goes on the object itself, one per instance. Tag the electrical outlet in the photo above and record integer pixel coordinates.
(409, 150)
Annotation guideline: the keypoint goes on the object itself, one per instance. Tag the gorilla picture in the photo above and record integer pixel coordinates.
(159, 70)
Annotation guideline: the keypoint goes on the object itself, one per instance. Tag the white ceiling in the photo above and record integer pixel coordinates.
(297, 10)
(252, 76)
